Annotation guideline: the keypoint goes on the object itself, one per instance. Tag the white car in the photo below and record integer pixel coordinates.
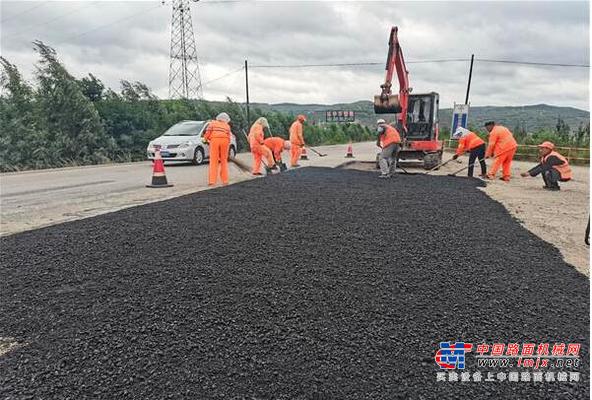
(183, 142)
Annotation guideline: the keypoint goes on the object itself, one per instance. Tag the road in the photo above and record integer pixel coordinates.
(30, 200)
(33, 199)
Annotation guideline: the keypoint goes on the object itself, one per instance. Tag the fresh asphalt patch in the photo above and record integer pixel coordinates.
(317, 283)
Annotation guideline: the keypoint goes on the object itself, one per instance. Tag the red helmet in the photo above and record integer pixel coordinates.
(548, 145)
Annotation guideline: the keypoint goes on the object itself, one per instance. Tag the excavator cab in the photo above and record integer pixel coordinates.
(422, 116)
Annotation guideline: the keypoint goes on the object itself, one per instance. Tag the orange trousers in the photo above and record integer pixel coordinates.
(504, 161)
(295, 152)
(219, 159)
(259, 151)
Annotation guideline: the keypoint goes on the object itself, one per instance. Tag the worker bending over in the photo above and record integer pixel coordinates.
(553, 167)
(258, 148)
(296, 140)
(218, 135)
(389, 140)
(277, 145)
(502, 146)
(469, 141)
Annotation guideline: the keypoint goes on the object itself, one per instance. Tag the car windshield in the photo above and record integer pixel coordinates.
(185, 129)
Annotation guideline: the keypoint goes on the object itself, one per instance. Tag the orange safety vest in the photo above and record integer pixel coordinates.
(256, 135)
(563, 169)
(296, 136)
(389, 136)
(468, 143)
(217, 130)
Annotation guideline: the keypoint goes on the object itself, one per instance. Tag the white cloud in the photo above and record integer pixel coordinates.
(130, 40)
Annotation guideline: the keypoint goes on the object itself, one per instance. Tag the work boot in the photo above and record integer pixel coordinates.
(384, 176)
(552, 188)
(257, 173)
(505, 179)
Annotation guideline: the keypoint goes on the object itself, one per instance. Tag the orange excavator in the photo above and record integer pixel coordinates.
(416, 114)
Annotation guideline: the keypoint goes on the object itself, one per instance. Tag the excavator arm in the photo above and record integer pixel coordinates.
(386, 102)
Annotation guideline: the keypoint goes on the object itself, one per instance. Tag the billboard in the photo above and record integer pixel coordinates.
(339, 116)
(460, 116)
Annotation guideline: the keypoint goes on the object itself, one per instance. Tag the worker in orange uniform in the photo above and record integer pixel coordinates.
(503, 146)
(469, 141)
(258, 148)
(553, 167)
(389, 140)
(218, 135)
(297, 140)
(277, 145)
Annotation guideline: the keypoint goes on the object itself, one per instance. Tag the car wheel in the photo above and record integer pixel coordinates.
(198, 156)
(231, 152)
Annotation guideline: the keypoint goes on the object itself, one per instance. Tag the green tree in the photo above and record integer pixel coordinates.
(92, 88)
(75, 132)
(20, 135)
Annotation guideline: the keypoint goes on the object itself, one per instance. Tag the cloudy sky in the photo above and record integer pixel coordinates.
(130, 40)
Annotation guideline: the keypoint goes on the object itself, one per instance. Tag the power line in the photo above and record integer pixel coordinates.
(49, 21)
(22, 12)
(443, 60)
(357, 64)
(223, 76)
(532, 63)
(112, 23)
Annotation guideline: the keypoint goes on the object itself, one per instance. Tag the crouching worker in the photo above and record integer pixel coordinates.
(258, 148)
(469, 141)
(277, 145)
(553, 167)
(389, 140)
(218, 135)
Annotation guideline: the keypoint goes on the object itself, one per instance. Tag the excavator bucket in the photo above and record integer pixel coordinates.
(387, 105)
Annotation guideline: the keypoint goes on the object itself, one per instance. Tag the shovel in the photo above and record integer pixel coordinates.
(316, 152)
(439, 166)
(475, 163)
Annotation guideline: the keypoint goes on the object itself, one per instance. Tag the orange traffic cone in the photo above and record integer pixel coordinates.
(350, 151)
(303, 155)
(159, 179)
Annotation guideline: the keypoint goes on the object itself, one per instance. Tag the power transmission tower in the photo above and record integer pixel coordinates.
(184, 77)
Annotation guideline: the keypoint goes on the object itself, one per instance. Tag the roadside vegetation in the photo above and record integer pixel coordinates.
(59, 120)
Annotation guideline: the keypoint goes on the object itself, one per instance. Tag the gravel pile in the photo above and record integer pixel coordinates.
(313, 284)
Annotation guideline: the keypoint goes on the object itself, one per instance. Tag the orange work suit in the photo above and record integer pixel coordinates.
(276, 145)
(218, 136)
(468, 142)
(258, 148)
(503, 146)
(297, 140)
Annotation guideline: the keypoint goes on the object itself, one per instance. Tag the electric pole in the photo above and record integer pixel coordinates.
(184, 77)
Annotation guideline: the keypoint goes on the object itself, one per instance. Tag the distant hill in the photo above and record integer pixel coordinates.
(531, 117)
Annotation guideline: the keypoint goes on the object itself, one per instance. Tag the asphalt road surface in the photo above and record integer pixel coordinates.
(319, 283)
(34, 199)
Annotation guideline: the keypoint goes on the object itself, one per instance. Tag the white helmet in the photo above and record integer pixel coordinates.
(460, 132)
(287, 145)
(263, 122)
(223, 117)
(380, 122)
